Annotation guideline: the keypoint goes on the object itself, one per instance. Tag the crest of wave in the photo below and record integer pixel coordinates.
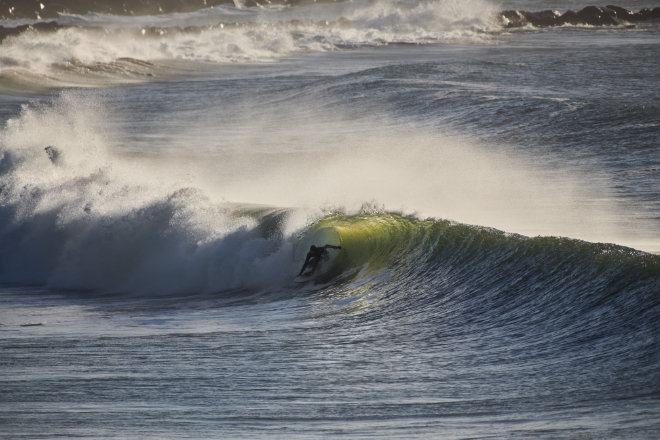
(261, 35)
(409, 21)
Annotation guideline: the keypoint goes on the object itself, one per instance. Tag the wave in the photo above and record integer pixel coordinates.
(466, 279)
(74, 214)
(84, 47)
(181, 242)
(409, 245)
(90, 231)
(94, 47)
(12, 9)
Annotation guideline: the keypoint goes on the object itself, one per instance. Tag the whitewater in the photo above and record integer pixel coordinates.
(489, 169)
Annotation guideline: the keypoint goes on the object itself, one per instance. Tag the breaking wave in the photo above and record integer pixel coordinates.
(107, 45)
(74, 215)
(83, 47)
(95, 48)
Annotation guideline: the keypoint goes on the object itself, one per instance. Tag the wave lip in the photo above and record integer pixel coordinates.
(591, 15)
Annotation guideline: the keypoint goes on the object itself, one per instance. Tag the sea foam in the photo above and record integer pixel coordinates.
(92, 220)
(97, 49)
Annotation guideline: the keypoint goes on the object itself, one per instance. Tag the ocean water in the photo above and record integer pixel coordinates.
(495, 192)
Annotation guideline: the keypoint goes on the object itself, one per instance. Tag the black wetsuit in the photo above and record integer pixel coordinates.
(314, 257)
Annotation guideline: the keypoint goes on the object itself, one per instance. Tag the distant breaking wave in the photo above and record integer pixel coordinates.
(44, 9)
(31, 16)
(95, 48)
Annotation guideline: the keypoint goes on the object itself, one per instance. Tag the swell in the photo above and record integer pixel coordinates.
(411, 248)
(390, 239)
(528, 306)
(546, 298)
(113, 49)
(94, 231)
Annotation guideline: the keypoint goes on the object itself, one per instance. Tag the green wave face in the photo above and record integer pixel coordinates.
(371, 242)
(406, 245)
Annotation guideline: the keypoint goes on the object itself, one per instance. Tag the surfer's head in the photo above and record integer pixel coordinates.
(312, 248)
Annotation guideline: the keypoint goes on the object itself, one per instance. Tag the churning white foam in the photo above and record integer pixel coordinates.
(90, 219)
(97, 48)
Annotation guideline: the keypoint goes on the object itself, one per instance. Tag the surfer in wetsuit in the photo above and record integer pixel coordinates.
(314, 257)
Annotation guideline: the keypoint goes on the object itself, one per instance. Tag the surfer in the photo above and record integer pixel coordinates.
(314, 257)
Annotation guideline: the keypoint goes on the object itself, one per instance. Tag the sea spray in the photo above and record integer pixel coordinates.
(90, 221)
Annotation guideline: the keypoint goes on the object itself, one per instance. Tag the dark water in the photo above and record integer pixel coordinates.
(495, 193)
